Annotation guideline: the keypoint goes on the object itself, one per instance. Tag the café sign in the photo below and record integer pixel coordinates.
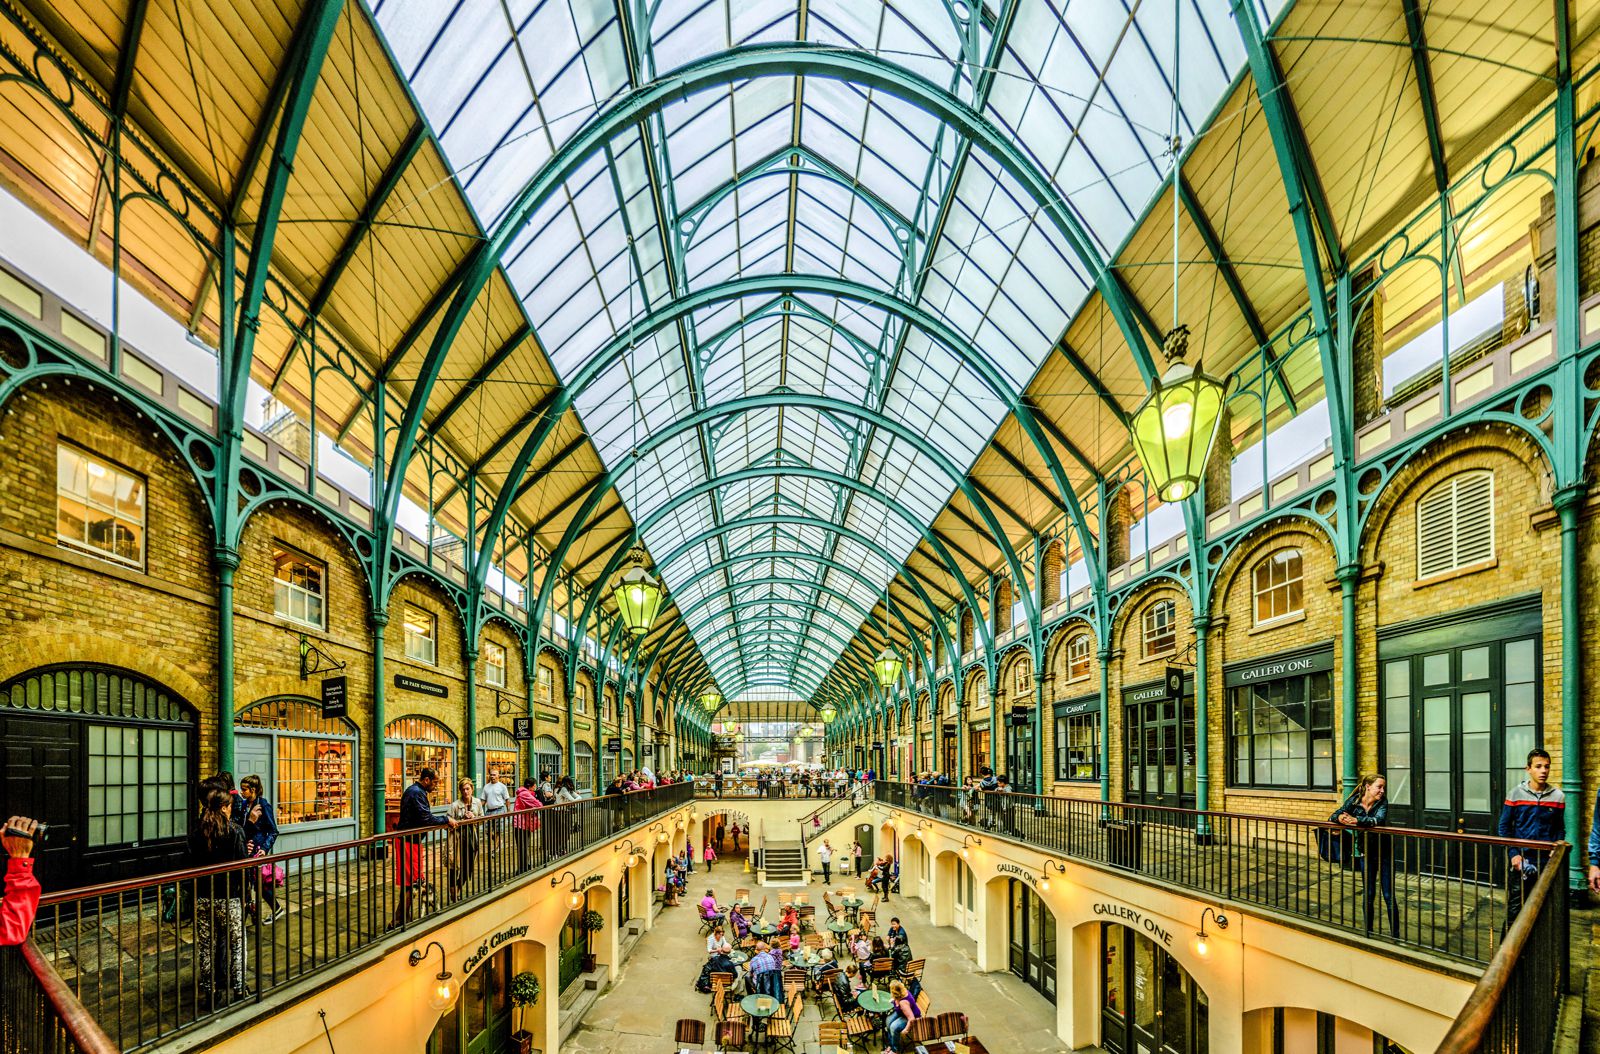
(1134, 919)
(503, 937)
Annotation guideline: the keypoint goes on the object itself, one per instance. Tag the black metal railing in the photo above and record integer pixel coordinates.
(1515, 1006)
(38, 1012)
(1445, 894)
(750, 787)
(153, 957)
(840, 806)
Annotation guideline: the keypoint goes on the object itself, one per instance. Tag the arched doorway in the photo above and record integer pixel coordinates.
(308, 764)
(109, 756)
(411, 744)
(1031, 943)
(547, 756)
(1149, 1003)
(498, 751)
(480, 1020)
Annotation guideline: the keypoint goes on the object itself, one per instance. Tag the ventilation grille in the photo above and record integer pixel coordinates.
(1455, 524)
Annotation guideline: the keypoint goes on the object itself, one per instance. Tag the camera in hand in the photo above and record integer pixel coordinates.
(1530, 870)
(40, 830)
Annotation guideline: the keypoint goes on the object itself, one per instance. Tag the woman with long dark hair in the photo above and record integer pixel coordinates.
(218, 899)
(260, 834)
(1367, 809)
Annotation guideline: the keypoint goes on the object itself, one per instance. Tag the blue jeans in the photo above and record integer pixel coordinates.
(896, 1025)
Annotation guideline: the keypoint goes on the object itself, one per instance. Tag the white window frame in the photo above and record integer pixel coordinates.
(494, 664)
(580, 698)
(1448, 494)
(99, 467)
(1153, 632)
(1073, 654)
(545, 685)
(412, 619)
(286, 592)
(1257, 590)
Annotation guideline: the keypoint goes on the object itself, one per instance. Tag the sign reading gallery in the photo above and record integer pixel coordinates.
(1134, 919)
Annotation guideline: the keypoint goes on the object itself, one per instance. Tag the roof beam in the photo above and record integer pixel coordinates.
(121, 89)
(379, 197)
(1230, 278)
(480, 376)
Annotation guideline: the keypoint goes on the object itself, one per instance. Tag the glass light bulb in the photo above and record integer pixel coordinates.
(1044, 885)
(965, 853)
(636, 595)
(1177, 418)
(1178, 491)
(443, 993)
(1202, 945)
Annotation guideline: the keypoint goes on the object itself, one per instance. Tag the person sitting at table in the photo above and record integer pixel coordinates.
(824, 963)
(860, 949)
(740, 924)
(901, 1014)
(851, 983)
(709, 909)
(880, 950)
(717, 943)
(896, 933)
(789, 921)
(766, 971)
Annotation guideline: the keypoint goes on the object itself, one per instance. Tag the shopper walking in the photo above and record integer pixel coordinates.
(525, 820)
(416, 814)
(496, 797)
(260, 833)
(1534, 812)
(825, 858)
(218, 902)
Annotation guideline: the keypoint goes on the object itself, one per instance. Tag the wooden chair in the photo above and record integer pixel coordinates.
(710, 922)
(720, 983)
(813, 941)
(867, 920)
(950, 1024)
(780, 1028)
(808, 916)
(833, 909)
(831, 1037)
(913, 970)
(881, 970)
(785, 899)
(690, 1030)
(793, 975)
(741, 894)
(732, 1035)
(855, 1022)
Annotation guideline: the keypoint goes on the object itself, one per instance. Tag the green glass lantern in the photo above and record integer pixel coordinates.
(638, 595)
(828, 714)
(1175, 427)
(887, 667)
(709, 700)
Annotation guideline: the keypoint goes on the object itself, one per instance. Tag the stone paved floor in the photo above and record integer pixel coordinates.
(655, 986)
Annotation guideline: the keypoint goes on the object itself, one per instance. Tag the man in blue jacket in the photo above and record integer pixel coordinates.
(1533, 812)
(1594, 848)
(410, 871)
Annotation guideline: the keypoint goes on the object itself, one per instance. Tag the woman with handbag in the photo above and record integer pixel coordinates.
(260, 833)
(463, 840)
(1366, 810)
(218, 898)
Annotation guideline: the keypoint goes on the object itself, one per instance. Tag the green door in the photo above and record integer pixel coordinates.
(480, 1020)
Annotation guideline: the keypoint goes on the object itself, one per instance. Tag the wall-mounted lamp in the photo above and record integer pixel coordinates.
(635, 854)
(574, 897)
(443, 991)
(1049, 865)
(966, 840)
(661, 832)
(1202, 944)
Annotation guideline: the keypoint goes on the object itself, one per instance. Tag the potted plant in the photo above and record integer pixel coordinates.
(524, 993)
(593, 922)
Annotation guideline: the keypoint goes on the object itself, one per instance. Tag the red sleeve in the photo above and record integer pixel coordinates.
(21, 901)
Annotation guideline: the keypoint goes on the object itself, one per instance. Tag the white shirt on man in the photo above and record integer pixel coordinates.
(825, 854)
(496, 797)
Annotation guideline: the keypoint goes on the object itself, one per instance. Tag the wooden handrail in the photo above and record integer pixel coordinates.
(106, 889)
(1094, 803)
(1466, 1034)
(79, 1024)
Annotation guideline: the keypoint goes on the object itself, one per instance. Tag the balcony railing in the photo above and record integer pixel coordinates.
(38, 1012)
(151, 958)
(1517, 1001)
(1436, 893)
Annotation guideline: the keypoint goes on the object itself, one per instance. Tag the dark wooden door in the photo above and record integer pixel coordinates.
(39, 769)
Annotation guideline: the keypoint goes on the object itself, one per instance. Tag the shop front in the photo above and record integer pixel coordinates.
(1280, 720)
(1032, 940)
(1020, 733)
(1077, 728)
(1159, 735)
(497, 750)
(1149, 1003)
(978, 748)
(307, 764)
(479, 1021)
(949, 750)
(1459, 709)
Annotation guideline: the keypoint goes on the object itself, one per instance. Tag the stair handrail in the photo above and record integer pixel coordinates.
(844, 797)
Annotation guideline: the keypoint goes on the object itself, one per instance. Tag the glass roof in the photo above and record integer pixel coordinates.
(773, 177)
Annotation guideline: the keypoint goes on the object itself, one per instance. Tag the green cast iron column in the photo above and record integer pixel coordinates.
(1202, 717)
(1350, 765)
(227, 564)
(469, 741)
(1104, 655)
(380, 627)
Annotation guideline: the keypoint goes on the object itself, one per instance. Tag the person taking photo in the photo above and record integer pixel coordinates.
(22, 888)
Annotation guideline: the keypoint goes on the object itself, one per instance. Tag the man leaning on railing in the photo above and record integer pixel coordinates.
(22, 889)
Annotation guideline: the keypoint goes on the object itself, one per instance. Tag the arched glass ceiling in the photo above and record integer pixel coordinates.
(781, 175)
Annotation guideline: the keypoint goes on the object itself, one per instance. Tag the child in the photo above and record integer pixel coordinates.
(710, 855)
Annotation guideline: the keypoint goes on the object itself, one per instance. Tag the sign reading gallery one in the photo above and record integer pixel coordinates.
(1134, 919)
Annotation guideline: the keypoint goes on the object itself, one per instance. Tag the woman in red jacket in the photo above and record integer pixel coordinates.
(22, 889)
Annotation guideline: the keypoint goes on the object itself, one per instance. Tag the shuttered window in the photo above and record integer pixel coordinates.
(1455, 524)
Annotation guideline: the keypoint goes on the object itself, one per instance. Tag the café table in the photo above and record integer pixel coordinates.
(806, 959)
(876, 1004)
(739, 958)
(764, 929)
(852, 907)
(759, 1007)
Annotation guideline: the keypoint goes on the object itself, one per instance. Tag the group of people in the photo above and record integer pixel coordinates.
(803, 784)
(980, 801)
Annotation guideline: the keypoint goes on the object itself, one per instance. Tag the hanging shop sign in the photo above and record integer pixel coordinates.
(614, 745)
(1318, 659)
(648, 750)
(1021, 715)
(522, 728)
(1174, 681)
(334, 700)
(413, 684)
(1136, 919)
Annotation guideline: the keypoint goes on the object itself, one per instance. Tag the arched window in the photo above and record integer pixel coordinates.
(1276, 586)
(307, 761)
(1455, 524)
(1078, 657)
(547, 756)
(498, 751)
(1160, 629)
(411, 744)
(583, 776)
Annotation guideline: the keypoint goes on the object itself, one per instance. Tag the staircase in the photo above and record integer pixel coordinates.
(832, 814)
(784, 863)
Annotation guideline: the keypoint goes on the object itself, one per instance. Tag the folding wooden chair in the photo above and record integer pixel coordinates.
(813, 941)
(793, 975)
(881, 970)
(833, 909)
(808, 916)
(741, 895)
(831, 1037)
(732, 1035)
(913, 970)
(924, 1001)
(689, 1030)
(785, 899)
(867, 920)
(780, 1029)
(855, 1022)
